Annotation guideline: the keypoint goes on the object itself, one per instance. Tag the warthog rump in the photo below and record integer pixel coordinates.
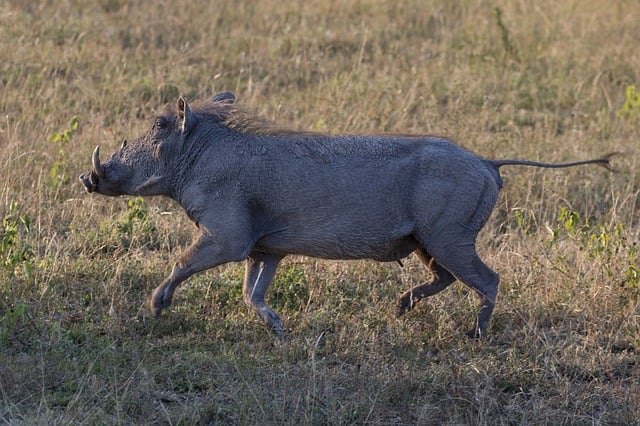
(258, 193)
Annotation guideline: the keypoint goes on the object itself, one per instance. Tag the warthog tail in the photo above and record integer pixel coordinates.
(603, 161)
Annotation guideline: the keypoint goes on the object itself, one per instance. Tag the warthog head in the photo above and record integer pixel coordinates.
(145, 165)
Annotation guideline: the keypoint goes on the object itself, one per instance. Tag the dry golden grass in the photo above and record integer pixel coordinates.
(539, 80)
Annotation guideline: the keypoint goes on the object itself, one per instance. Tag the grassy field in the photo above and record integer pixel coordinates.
(544, 80)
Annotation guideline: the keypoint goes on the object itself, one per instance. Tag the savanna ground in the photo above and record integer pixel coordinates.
(541, 80)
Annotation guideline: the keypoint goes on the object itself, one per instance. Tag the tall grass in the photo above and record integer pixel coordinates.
(538, 80)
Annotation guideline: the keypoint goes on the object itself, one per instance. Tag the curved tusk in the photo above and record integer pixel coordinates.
(124, 144)
(97, 167)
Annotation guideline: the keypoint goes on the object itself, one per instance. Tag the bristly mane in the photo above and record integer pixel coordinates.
(239, 119)
(249, 123)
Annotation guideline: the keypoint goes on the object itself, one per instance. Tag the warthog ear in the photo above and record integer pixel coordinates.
(224, 98)
(185, 115)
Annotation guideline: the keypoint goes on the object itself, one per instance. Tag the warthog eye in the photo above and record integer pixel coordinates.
(160, 123)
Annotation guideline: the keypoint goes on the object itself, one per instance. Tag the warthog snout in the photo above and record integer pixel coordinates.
(90, 180)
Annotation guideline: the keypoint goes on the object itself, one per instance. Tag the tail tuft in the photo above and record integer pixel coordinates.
(606, 163)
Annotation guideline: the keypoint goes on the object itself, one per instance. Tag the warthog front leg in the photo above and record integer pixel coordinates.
(205, 253)
(259, 271)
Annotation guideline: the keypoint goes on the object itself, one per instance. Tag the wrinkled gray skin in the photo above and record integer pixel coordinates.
(259, 196)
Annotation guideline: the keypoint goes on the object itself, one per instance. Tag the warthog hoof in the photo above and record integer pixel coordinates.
(477, 332)
(272, 320)
(160, 300)
(404, 304)
(474, 334)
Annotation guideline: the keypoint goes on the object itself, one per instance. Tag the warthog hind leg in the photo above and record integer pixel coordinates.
(461, 263)
(441, 280)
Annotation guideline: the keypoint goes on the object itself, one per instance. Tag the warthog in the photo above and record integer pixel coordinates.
(257, 193)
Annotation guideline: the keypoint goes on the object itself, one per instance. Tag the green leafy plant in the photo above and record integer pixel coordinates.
(137, 216)
(10, 319)
(525, 221)
(508, 46)
(607, 246)
(58, 172)
(15, 251)
(631, 104)
(136, 225)
(570, 220)
(290, 289)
